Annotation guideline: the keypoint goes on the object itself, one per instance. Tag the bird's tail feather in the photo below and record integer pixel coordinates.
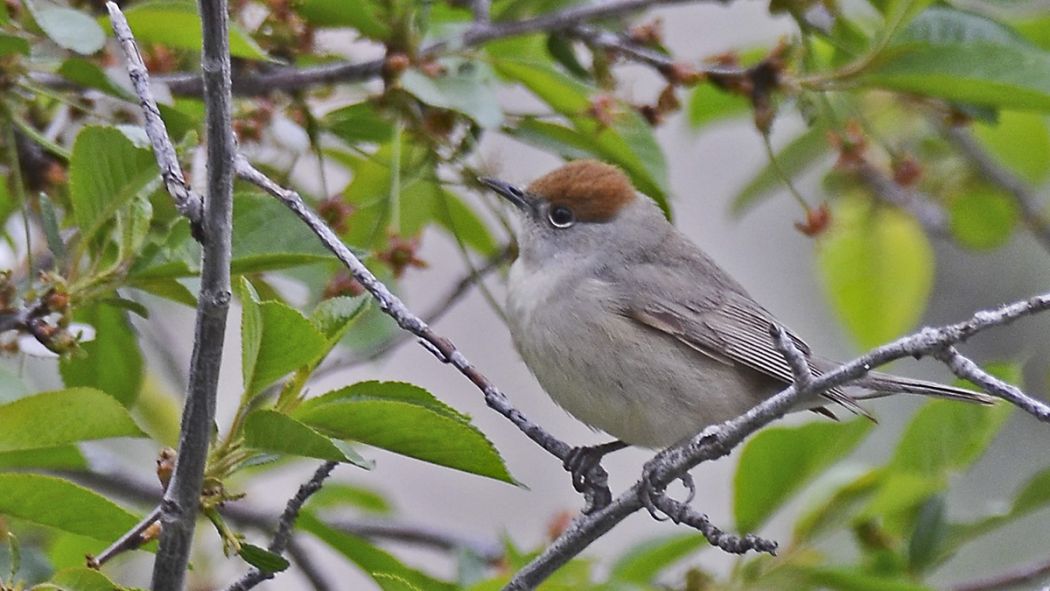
(882, 384)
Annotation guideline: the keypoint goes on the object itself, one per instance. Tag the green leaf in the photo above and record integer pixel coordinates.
(644, 562)
(709, 104)
(276, 339)
(339, 494)
(794, 158)
(847, 579)
(827, 514)
(82, 579)
(84, 73)
(963, 57)
(876, 265)
(462, 222)
(928, 535)
(169, 289)
(370, 559)
(63, 457)
(52, 419)
(263, 559)
(334, 316)
(12, 44)
(777, 462)
(561, 92)
(946, 437)
(367, 16)
(70, 29)
(112, 362)
(405, 420)
(267, 236)
(272, 431)
(58, 503)
(389, 582)
(106, 171)
(175, 23)
(360, 122)
(468, 86)
(1020, 142)
(983, 218)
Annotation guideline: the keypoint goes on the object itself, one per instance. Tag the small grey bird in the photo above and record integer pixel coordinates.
(633, 330)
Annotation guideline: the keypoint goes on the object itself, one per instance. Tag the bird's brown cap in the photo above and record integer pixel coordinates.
(593, 190)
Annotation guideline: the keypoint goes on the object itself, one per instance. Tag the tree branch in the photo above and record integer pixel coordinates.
(718, 440)
(182, 499)
(1031, 206)
(131, 540)
(283, 535)
(290, 78)
(966, 369)
(1028, 573)
(188, 203)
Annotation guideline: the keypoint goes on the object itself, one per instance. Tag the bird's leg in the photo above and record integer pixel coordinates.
(581, 460)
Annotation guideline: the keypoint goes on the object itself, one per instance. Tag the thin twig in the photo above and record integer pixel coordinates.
(727, 542)
(179, 509)
(131, 540)
(188, 203)
(441, 347)
(718, 440)
(1033, 210)
(243, 514)
(796, 359)
(921, 207)
(283, 537)
(966, 369)
(309, 568)
(254, 83)
(442, 307)
(1028, 573)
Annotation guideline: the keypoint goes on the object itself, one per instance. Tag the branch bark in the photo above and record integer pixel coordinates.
(180, 505)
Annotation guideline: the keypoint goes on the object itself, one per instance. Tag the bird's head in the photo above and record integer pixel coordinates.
(579, 209)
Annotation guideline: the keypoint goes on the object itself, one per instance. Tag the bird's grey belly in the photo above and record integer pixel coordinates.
(639, 385)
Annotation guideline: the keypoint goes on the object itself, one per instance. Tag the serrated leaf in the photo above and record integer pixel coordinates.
(360, 122)
(340, 494)
(778, 462)
(393, 391)
(467, 86)
(57, 418)
(267, 236)
(176, 23)
(63, 457)
(276, 339)
(945, 437)
(58, 503)
(263, 559)
(112, 361)
(272, 431)
(963, 57)
(389, 582)
(876, 266)
(70, 29)
(392, 418)
(644, 562)
(106, 171)
(82, 579)
(370, 559)
(334, 316)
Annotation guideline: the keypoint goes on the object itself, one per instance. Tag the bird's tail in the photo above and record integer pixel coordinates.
(883, 384)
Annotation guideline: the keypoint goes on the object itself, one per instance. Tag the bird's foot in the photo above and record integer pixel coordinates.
(651, 495)
(588, 476)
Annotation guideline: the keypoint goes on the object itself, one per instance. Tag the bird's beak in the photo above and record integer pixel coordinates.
(508, 191)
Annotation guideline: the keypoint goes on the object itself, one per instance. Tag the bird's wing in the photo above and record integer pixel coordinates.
(724, 324)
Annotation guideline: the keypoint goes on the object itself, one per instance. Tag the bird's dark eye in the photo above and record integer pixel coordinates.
(561, 216)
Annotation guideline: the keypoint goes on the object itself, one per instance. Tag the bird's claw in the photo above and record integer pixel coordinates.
(650, 493)
(579, 463)
(588, 476)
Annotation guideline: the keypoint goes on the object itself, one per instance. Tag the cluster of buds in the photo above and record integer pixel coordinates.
(159, 58)
(851, 145)
(336, 212)
(665, 104)
(759, 83)
(284, 33)
(250, 125)
(401, 253)
(342, 284)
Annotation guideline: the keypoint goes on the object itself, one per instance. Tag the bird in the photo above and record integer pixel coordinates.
(635, 331)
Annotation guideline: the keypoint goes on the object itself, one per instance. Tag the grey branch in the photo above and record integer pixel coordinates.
(718, 440)
(1032, 208)
(129, 541)
(390, 304)
(283, 536)
(733, 544)
(309, 568)
(290, 78)
(179, 508)
(928, 214)
(1028, 573)
(965, 368)
(188, 203)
